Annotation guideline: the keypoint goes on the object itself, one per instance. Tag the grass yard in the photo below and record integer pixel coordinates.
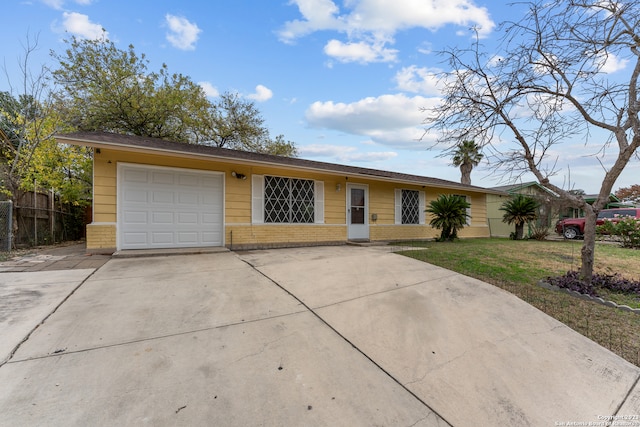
(517, 266)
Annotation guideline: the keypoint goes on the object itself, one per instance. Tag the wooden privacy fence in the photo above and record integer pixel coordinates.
(39, 218)
(6, 219)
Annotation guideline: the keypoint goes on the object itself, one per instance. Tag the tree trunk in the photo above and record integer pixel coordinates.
(465, 171)
(588, 246)
(519, 231)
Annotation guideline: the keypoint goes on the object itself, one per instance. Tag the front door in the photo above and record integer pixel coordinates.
(358, 211)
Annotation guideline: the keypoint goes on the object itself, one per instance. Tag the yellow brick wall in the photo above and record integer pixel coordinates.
(272, 235)
(101, 236)
(238, 204)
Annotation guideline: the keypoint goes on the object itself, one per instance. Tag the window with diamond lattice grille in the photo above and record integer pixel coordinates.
(410, 207)
(288, 200)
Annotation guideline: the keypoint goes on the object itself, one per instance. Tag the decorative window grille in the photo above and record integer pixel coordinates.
(410, 207)
(288, 200)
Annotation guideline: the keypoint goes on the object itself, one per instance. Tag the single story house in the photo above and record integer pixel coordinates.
(151, 193)
(549, 206)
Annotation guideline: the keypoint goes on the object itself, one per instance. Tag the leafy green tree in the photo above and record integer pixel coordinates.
(236, 123)
(280, 147)
(519, 210)
(103, 88)
(449, 214)
(466, 156)
(27, 118)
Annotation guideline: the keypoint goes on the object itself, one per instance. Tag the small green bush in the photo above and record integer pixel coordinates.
(539, 231)
(626, 230)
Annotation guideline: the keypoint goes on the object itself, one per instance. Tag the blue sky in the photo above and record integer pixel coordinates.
(344, 80)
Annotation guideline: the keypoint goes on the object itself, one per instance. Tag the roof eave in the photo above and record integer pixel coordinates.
(226, 159)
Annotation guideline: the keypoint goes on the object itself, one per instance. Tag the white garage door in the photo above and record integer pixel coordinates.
(162, 207)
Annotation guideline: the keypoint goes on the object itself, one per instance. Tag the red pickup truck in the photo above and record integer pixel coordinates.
(573, 228)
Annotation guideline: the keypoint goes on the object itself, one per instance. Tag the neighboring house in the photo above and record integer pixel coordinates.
(152, 193)
(551, 207)
(613, 202)
(548, 211)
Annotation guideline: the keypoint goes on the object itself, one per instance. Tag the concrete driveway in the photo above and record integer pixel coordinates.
(312, 336)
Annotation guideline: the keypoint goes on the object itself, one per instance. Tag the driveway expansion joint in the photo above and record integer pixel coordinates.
(26, 338)
(631, 389)
(61, 353)
(352, 344)
(397, 288)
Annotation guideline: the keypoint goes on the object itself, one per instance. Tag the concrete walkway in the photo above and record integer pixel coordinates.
(72, 256)
(307, 336)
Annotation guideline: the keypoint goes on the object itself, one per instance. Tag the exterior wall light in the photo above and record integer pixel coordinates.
(238, 175)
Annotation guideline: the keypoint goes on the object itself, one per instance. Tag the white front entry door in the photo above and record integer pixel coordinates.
(162, 207)
(358, 211)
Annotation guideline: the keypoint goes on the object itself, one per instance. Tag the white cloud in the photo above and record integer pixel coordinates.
(387, 17)
(318, 15)
(80, 25)
(419, 80)
(209, 89)
(59, 4)
(380, 20)
(182, 33)
(54, 4)
(495, 60)
(359, 52)
(610, 63)
(262, 93)
(344, 154)
(394, 120)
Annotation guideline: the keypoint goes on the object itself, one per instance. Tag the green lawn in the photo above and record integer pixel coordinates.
(517, 266)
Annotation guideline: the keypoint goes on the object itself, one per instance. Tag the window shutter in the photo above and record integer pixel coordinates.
(422, 207)
(318, 209)
(257, 199)
(398, 214)
(468, 199)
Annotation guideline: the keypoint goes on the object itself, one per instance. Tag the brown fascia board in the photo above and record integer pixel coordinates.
(161, 146)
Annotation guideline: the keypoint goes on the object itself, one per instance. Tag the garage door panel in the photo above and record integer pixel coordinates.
(136, 217)
(186, 218)
(188, 198)
(189, 180)
(211, 238)
(136, 238)
(136, 196)
(185, 238)
(162, 218)
(211, 199)
(131, 175)
(211, 218)
(212, 183)
(167, 207)
(161, 238)
(162, 178)
(160, 197)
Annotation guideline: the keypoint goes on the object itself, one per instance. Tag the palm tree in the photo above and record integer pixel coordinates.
(467, 155)
(449, 215)
(518, 211)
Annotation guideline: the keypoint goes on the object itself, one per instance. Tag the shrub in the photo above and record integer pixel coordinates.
(539, 231)
(449, 214)
(612, 282)
(627, 230)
